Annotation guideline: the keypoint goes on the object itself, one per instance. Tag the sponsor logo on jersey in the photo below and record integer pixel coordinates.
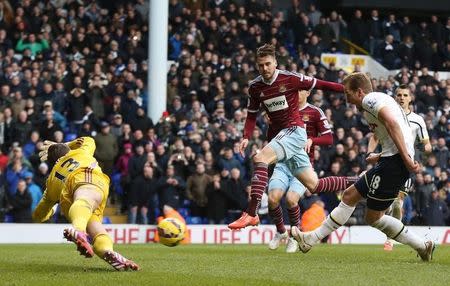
(371, 103)
(282, 88)
(276, 103)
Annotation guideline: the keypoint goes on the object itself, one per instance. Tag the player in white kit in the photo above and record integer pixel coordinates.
(420, 136)
(381, 184)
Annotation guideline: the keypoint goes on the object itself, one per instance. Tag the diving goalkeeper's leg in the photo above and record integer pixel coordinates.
(103, 247)
(85, 200)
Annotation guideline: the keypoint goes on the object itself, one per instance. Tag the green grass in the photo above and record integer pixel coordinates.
(225, 265)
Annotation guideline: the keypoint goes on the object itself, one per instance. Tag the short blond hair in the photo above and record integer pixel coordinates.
(357, 80)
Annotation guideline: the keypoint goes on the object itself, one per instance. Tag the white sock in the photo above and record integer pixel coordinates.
(396, 230)
(396, 211)
(338, 217)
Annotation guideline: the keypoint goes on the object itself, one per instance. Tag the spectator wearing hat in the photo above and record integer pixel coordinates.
(34, 190)
(107, 148)
(20, 203)
(58, 118)
(40, 176)
(117, 125)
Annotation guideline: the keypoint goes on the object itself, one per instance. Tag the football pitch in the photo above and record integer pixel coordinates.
(225, 265)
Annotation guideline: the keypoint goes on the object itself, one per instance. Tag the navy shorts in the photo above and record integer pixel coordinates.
(381, 184)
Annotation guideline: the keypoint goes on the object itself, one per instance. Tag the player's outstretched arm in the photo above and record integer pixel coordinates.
(322, 140)
(393, 129)
(86, 143)
(329, 85)
(44, 210)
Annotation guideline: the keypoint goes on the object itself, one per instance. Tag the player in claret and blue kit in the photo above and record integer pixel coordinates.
(276, 91)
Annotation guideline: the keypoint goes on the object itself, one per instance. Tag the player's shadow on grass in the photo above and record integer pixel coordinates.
(49, 267)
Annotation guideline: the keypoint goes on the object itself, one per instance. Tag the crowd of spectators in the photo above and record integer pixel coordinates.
(77, 68)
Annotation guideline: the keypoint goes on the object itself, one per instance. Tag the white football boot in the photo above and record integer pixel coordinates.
(300, 238)
(427, 253)
(292, 245)
(277, 239)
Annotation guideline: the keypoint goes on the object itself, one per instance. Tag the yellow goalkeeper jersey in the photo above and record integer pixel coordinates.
(77, 167)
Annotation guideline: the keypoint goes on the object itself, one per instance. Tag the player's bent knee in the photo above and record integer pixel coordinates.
(308, 178)
(351, 196)
(266, 156)
(292, 199)
(373, 218)
(274, 198)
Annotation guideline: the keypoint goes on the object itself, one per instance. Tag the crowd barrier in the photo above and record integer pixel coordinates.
(205, 234)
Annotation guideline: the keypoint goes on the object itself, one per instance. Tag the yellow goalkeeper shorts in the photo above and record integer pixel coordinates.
(83, 177)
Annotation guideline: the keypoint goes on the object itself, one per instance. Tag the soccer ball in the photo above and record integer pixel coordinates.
(171, 231)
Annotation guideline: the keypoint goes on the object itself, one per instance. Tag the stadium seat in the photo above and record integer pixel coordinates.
(70, 137)
(106, 220)
(184, 212)
(115, 181)
(194, 220)
(9, 218)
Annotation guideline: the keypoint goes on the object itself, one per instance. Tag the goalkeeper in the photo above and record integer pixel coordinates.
(78, 184)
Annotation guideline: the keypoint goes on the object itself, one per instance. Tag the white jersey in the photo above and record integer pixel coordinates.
(418, 127)
(372, 104)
